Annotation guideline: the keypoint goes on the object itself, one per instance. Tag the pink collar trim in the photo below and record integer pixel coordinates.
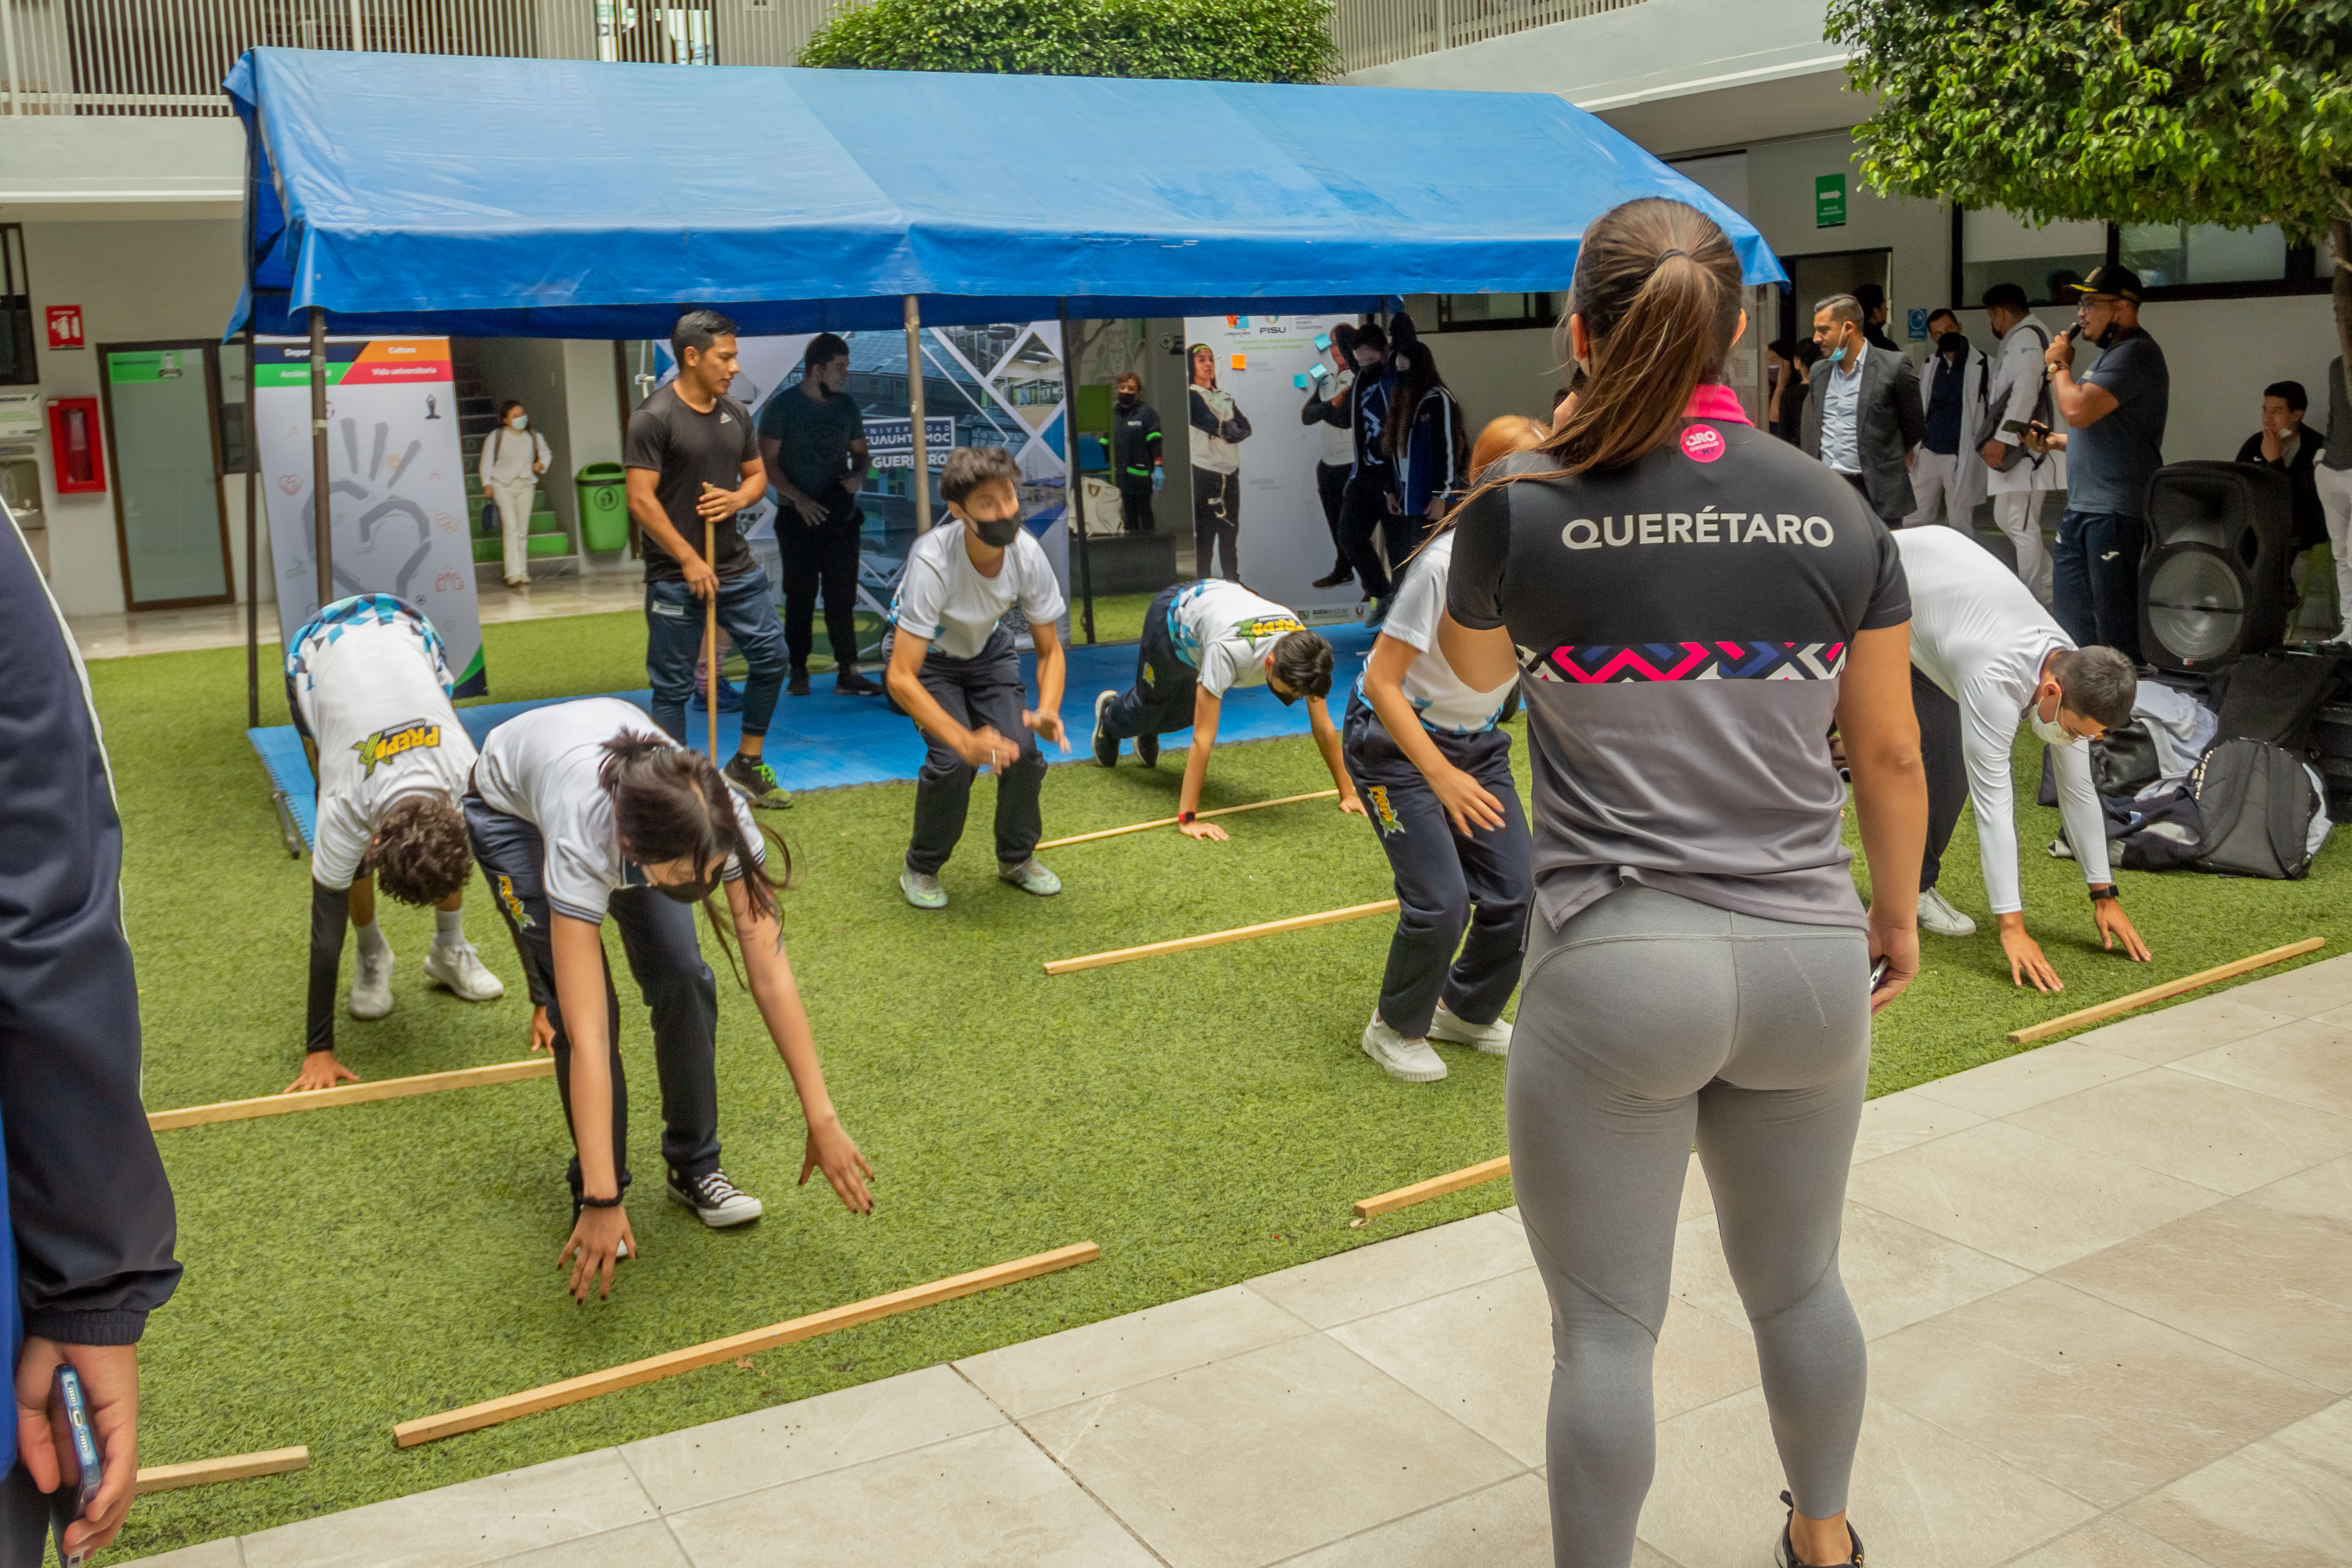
(1716, 401)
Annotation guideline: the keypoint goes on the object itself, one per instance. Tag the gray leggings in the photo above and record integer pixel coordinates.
(1645, 1021)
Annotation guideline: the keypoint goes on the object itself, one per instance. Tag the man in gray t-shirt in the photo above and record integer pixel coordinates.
(2114, 445)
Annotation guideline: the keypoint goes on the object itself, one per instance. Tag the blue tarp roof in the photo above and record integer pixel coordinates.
(557, 198)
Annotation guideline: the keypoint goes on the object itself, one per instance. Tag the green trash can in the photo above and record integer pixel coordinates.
(604, 507)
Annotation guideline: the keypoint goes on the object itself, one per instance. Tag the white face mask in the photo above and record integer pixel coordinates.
(520, 422)
(2052, 731)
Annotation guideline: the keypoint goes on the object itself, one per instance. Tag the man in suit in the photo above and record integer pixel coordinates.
(1863, 417)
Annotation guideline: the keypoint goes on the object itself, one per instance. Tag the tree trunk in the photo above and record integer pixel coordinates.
(2339, 246)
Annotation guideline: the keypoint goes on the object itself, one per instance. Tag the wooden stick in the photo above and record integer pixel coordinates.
(490, 1412)
(1435, 1187)
(1171, 822)
(349, 1094)
(2158, 992)
(236, 1467)
(710, 639)
(1218, 938)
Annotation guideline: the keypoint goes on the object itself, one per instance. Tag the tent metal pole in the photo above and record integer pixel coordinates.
(921, 477)
(1075, 481)
(321, 511)
(252, 578)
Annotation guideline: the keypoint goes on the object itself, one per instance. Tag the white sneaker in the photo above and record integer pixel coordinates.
(458, 966)
(371, 984)
(1411, 1060)
(1936, 914)
(717, 1201)
(1494, 1038)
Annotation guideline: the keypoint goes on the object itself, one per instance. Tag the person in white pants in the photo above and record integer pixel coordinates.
(2017, 382)
(513, 457)
(1946, 472)
(2331, 472)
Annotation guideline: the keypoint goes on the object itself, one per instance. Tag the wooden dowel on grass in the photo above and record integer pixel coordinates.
(234, 1468)
(1218, 938)
(2139, 999)
(572, 1390)
(1435, 1187)
(349, 1094)
(1171, 822)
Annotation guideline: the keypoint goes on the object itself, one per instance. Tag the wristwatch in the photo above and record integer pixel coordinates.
(2109, 892)
(1186, 818)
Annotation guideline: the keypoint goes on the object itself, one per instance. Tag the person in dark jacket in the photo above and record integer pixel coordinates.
(1135, 442)
(2283, 444)
(1426, 441)
(87, 1202)
(1369, 500)
(1330, 403)
(1219, 427)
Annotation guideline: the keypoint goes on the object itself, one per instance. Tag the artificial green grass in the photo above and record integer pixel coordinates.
(1206, 1118)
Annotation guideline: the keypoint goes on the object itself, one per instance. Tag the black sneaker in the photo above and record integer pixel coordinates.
(1147, 750)
(1338, 574)
(752, 778)
(849, 683)
(1784, 1555)
(715, 1201)
(1105, 743)
(797, 685)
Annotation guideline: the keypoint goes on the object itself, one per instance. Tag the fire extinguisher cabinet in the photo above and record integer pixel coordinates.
(74, 444)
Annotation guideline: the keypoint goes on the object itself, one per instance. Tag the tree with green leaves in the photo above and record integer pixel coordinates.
(1201, 40)
(2235, 112)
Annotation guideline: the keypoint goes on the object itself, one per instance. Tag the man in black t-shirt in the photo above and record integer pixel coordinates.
(813, 438)
(693, 464)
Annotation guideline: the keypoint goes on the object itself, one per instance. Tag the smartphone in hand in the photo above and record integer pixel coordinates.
(79, 1470)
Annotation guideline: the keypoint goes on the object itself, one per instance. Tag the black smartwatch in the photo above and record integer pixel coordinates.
(611, 1202)
(2110, 891)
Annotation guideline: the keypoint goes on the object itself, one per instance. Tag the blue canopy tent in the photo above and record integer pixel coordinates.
(554, 198)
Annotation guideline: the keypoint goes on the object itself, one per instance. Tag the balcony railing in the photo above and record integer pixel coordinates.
(1375, 32)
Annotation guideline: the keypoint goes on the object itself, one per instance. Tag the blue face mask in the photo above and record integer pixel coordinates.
(1835, 356)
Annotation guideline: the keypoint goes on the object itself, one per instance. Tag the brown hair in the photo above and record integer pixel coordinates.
(1302, 661)
(1123, 377)
(420, 855)
(669, 803)
(1418, 380)
(969, 468)
(1511, 433)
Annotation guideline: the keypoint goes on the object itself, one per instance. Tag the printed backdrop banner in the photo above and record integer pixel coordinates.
(396, 484)
(1285, 542)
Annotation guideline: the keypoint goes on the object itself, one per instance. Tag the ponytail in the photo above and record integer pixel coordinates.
(669, 803)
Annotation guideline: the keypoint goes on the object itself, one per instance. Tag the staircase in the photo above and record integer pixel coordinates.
(477, 416)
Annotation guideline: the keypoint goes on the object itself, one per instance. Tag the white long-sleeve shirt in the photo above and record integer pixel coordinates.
(1980, 636)
(508, 456)
(2017, 377)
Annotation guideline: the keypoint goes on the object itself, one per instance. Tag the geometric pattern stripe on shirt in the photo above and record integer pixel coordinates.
(1598, 664)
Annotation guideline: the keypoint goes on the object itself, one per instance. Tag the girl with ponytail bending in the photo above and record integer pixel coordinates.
(582, 809)
(1690, 605)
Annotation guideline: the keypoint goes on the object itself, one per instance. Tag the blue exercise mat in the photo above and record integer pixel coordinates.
(825, 742)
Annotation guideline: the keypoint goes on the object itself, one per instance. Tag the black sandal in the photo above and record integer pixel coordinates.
(1786, 1556)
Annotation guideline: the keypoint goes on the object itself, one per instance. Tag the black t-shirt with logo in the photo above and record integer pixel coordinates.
(688, 450)
(1681, 624)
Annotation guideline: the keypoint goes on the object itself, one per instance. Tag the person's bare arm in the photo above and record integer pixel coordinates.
(1206, 711)
(1326, 741)
(811, 510)
(110, 1386)
(778, 996)
(1881, 730)
(655, 525)
(1045, 719)
(1465, 800)
(1482, 660)
(980, 748)
(861, 462)
(595, 1244)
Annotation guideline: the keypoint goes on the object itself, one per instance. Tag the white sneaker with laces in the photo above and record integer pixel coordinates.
(1494, 1038)
(371, 984)
(1936, 914)
(1411, 1060)
(458, 966)
(715, 1201)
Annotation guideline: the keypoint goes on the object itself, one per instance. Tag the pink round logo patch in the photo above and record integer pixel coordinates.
(1701, 443)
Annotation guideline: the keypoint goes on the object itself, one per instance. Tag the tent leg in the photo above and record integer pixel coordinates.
(920, 478)
(322, 510)
(252, 578)
(1074, 481)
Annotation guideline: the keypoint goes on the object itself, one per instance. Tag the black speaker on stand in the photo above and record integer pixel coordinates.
(2213, 585)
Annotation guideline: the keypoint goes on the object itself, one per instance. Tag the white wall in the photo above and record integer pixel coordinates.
(1508, 370)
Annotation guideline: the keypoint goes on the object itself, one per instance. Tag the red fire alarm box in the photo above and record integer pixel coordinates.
(74, 445)
(64, 326)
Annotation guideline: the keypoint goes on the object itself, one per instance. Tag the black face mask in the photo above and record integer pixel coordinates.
(688, 893)
(998, 533)
(2106, 338)
(1130, 399)
(1952, 345)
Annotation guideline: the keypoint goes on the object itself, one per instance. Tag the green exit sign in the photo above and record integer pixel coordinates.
(1829, 201)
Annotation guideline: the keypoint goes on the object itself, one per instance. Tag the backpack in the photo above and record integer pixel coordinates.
(2044, 409)
(2257, 806)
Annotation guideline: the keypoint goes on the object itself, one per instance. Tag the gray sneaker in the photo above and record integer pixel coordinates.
(1031, 877)
(1936, 914)
(922, 890)
(1411, 1060)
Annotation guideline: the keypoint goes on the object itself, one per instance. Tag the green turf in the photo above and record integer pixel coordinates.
(1205, 1118)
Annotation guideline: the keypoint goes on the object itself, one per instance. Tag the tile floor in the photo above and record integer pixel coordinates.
(2107, 1284)
(223, 625)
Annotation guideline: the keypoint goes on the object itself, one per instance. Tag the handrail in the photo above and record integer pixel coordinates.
(1379, 32)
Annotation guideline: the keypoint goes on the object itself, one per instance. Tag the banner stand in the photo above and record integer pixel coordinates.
(1074, 492)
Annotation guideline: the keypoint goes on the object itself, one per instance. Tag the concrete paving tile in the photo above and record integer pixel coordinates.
(2194, 1026)
(2032, 1076)
(639, 1546)
(1509, 1526)
(1389, 1274)
(1894, 1122)
(987, 1500)
(2027, 1199)
(2274, 1287)
(1895, 1274)
(2283, 1502)
(1267, 1454)
(2309, 1063)
(2313, 989)
(2192, 1127)
(2103, 1401)
(473, 1522)
(1921, 1496)
(221, 1553)
(1078, 1363)
(2324, 1192)
(767, 1447)
(1698, 1198)
(2107, 1542)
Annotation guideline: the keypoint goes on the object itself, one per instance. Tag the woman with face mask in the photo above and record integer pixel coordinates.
(513, 457)
(1219, 427)
(582, 809)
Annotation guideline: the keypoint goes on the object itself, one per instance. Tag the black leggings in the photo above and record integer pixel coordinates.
(1947, 771)
(1216, 519)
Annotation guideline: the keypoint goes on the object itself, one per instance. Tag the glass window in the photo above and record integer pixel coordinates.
(1996, 247)
(1470, 313)
(2166, 255)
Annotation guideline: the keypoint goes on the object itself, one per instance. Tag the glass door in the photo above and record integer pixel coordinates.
(160, 403)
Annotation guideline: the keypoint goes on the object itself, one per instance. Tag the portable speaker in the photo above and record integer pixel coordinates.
(2214, 583)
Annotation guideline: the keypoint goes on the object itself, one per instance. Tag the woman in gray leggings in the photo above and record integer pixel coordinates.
(1701, 969)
